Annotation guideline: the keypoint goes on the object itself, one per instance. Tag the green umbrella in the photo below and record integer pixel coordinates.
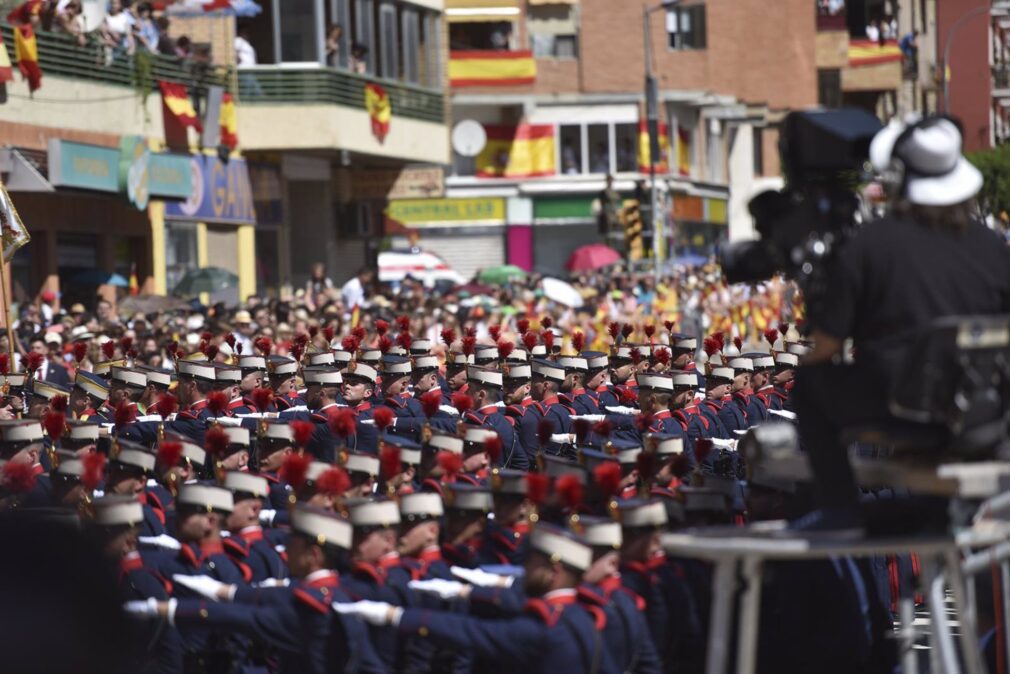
(205, 280)
(502, 274)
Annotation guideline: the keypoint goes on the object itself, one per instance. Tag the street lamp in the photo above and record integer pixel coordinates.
(652, 118)
(946, 50)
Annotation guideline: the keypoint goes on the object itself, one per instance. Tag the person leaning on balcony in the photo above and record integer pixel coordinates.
(116, 31)
(333, 34)
(358, 54)
(70, 22)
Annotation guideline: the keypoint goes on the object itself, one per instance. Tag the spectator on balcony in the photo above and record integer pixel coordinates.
(69, 22)
(116, 31)
(184, 47)
(359, 62)
(166, 45)
(146, 33)
(873, 31)
(889, 28)
(245, 57)
(333, 35)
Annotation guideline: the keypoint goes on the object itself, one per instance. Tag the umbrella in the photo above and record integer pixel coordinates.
(97, 277)
(205, 280)
(561, 292)
(501, 274)
(150, 304)
(593, 256)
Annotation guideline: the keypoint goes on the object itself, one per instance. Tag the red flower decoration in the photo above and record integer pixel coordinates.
(546, 322)
(264, 345)
(505, 349)
(33, 361)
(109, 349)
(603, 428)
(495, 332)
(529, 340)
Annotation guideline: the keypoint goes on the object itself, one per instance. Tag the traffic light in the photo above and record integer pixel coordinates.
(631, 219)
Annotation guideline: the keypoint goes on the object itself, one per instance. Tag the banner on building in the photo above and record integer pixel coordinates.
(176, 103)
(523, 151)
(26, 53)
(229, 122)
(491, 68)
(380, 111)
(683, 151)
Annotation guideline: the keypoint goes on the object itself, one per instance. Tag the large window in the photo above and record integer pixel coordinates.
(598, 148)
(685, 27)
(412, 54)
(180, 251)
(829, 87)
(553, 30)
(388, 42)
(625, 145)
(339, 58)
(481, 36)
(432, 49)
(297, 31)
(571, 149)
(363, 49)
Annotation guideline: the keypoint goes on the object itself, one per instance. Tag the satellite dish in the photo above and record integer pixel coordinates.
(468, 137)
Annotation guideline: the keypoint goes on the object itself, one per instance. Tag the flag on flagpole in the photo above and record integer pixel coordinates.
(26, 53)
(176, 103)
(13, 231)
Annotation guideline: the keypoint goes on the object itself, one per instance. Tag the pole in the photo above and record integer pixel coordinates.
(946, 51)
(652, 116)
(7, 309)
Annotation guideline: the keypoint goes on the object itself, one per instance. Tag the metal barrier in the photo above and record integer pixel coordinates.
(319, 85)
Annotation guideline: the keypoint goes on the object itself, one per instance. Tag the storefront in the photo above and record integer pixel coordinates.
(468, 233)
(92, 230)
(700, 224)
(560, 225)
(214, 227)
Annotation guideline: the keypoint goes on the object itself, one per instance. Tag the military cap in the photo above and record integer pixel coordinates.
(667, 445)
(485, 354)
(640, 514)
(596, 360)
(421, 506)
(161, 379)
(342, 357)
(482, 376)
(786, 361)
(227, 374)
(370, 356)
(508, 481)
(445, 442)
(395, 366)
(373, 513)
(191, 452)
(325, 528)
(657, 381)
(419, 347)
(548, 370)
(282, 367)
(322, 358)
(92, 384)
(238, 482)
(557, 466)
(278, 431)
(514, 373)
(204, 497)
(683, 342)
(20, 432)
(467, 497)
(84, 432)
(69, 465)
(425, 363)
(561, 545)
(518, 355)
(458, 360)
(118, 511)
(128, 376)
(322, 375)
(134, 456)
(252, 364)
(357, 462)
(539, 350)
(201, 371)
(103, 368)
(573, 363)
(741, 364)
(410, 451)
(720, 375)
(761, 361)
(601, 532)
(356, 370)
(683, 380)
(48, 390)
(237, 435)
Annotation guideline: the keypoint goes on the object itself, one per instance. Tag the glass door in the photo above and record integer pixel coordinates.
(298, 31)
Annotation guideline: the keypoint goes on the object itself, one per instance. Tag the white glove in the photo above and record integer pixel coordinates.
(563, 438)
(590, 417)
(482, 578)
(449, 409)
(204, 586)
(228, 421)
(267, 517)
(446, 589)
(377, 613)
(160, 541)
(273, 582)
(142, 608)
(620, 409)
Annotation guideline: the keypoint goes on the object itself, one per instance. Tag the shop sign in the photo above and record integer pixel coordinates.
(88, 167)
(434, 212)
(408, 183)
(144, 174)
(221, 193)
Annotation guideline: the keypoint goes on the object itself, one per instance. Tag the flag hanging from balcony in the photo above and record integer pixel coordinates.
(13, 231)
(523, 151)
(26, 53)
(379, 110)
(663, 160)
(491, 68)
(229, 122)
(176, 104)
(872, 52)
(134, 281)
(683, 151)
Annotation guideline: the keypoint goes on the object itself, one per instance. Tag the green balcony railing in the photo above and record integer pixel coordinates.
(59, 55)
(273, 84)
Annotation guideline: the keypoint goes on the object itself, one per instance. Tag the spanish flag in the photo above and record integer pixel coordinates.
(523, 151)
(229, 122)
(491, 68)
(662, 162)
(380, 110)
(871, 52)
(26, 53)
(176, 104)
(683, 151)
(134, 282)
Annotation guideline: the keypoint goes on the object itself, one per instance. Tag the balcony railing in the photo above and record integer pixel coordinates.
(58, 55)
(1001, 76)
(274, 85)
